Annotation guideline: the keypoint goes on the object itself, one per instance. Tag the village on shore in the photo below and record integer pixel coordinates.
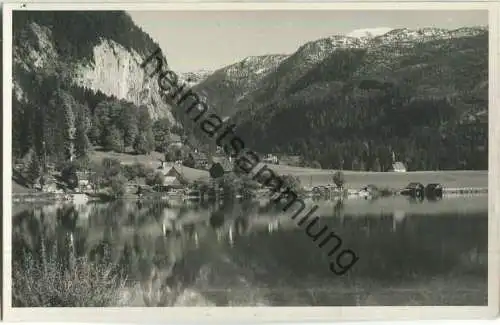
(109, 178)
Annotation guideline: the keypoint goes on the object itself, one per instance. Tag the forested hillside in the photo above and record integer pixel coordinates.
(340, 102)
(424, 100)
(59, 108)
(76, 33)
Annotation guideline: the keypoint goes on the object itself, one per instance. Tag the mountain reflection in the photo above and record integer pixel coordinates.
(164, 249)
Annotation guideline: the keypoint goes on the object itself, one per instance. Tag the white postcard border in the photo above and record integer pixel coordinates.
(258, 314)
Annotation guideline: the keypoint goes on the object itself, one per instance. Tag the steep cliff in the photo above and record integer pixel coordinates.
(117, 72)
(100, 51)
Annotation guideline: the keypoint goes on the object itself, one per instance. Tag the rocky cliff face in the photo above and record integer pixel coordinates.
(116, 71)
(110, 67)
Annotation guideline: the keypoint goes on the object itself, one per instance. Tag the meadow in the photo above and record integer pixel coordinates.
(315, 177)
(310, 177)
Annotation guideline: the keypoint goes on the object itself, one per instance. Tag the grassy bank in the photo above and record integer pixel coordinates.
(309, 177)
(354, 179)
(47, 282)
(394, 180)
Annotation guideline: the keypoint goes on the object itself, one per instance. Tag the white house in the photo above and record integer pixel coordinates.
(270, 159)
(398, 167)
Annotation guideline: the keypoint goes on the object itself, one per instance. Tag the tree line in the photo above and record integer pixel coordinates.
(361, 129)
(61, 122)
(76, 33)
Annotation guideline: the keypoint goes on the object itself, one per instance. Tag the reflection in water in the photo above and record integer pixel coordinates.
(397, 219)
(252, 254)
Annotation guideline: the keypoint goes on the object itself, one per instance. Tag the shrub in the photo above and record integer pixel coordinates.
(141, 169)
(293, 183)
(130, 172)
(339, 179)
(47, 282)
(155, 178)
(68, 175)
(118, 184)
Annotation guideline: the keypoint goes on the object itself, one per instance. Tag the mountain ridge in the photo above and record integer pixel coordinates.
(339, 101)
(312, 52)
(393, 92)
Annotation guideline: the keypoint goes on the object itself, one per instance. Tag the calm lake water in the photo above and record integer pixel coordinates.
(250, 254)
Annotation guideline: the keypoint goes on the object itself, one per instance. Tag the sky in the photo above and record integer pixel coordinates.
(209, 40)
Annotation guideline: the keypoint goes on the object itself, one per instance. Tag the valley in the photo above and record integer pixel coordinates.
(380, 142)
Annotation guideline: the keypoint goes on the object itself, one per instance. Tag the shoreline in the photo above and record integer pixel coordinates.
(454, 183)
(47, 198)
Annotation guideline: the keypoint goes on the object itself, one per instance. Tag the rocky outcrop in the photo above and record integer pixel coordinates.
(116, 71)
(111, 69)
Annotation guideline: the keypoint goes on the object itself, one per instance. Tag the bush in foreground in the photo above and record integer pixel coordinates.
(50, 283)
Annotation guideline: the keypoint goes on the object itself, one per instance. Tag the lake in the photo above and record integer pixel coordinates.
(252, 254)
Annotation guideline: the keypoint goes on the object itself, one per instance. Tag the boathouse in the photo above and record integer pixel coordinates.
(414, 190)
(434, 191)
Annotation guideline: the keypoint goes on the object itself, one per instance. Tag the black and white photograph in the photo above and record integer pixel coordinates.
(248, 157)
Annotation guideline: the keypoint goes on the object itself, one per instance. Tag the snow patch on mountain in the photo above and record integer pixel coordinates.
(195, 77)
(369, 32)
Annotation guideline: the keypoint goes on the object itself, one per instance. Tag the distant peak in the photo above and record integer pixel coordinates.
(255, 58)
(369, 32)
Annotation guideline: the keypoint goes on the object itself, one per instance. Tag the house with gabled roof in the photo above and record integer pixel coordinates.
(184, 175)
(200, 160)
(226, 163)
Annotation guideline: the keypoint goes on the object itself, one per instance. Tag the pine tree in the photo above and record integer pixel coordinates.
(69, 133)
(94, 133)
(35, 168)
(102, 121)
(60, 125)
(128, 123)
(82, 143)
(161, 132)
